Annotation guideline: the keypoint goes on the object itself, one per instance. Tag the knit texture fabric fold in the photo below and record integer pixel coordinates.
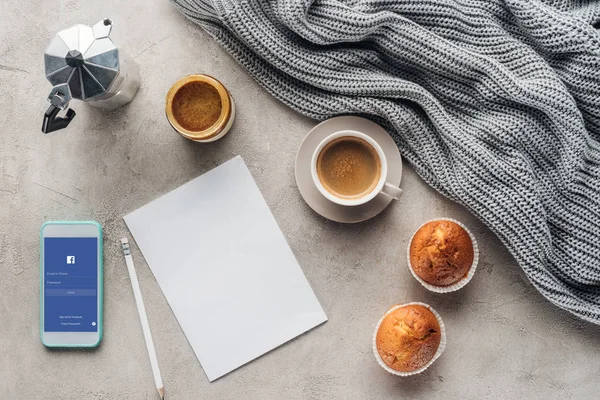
(496, 104)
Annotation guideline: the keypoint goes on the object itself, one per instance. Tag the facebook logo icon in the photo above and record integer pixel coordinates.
(70, 259)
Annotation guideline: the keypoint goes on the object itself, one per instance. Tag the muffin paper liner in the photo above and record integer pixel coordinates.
(435, 356)
(463, 281)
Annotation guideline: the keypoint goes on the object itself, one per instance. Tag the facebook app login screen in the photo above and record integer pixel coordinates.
(70, 284)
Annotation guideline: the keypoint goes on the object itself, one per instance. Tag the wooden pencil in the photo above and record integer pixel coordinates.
(143, 318)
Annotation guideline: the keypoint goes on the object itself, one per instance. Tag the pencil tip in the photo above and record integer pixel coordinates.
(161, 392)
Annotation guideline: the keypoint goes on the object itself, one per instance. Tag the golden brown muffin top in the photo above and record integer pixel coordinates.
(408, 338)
(441, 253)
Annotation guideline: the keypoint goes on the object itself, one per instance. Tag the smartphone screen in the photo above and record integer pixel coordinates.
(70, 284)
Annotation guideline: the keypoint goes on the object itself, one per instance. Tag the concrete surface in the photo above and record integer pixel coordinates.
(504, 339)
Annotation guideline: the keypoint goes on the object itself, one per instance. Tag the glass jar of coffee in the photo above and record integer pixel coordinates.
(200, 108)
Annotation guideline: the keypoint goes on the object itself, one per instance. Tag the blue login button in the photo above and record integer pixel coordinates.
(70, 292)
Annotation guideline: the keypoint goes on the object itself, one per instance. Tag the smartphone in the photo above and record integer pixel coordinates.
(71, 284)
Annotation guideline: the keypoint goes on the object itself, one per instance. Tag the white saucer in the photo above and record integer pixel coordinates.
(314, 198)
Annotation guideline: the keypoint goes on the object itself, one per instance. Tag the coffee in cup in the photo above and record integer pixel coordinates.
(350, 168)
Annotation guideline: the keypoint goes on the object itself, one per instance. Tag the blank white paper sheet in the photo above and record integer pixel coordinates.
(225, 268)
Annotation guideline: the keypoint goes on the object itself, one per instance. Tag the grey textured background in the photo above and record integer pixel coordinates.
(504, 339)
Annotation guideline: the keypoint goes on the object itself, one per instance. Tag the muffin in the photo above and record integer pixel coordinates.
(441, 253)
(408, 338)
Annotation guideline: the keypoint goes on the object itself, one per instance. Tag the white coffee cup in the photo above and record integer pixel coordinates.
(382, 186)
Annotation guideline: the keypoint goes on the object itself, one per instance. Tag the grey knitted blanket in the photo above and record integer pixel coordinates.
(495, 103)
